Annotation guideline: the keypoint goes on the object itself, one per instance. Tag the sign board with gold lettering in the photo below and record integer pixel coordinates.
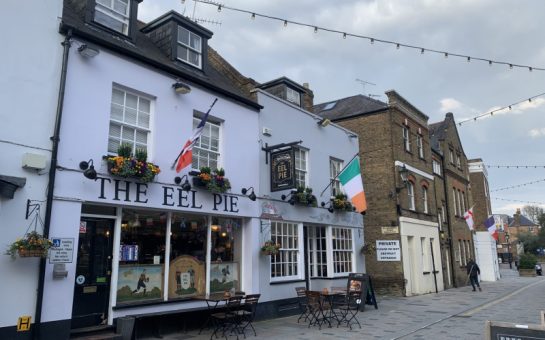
(282, 170)
(23, 323)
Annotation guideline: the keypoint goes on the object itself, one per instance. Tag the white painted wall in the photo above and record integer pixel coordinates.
(411, 255)
(486, 256)
(30, 65)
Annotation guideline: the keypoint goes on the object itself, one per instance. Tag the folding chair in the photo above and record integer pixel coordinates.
(228, 320)
(247, 313)
(314, 306)
(350, 309)
(302, 302)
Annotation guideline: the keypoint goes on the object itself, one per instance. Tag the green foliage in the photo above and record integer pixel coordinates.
(527, 261)
(141, 155)
(206, 170)
(531, 242)
(33, 241)
(124, 150)
(304, 196)
(214, 181)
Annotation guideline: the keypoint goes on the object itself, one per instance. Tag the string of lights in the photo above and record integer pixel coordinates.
(372, 40)
(516, 166)
(518, 185)
(491, 113)
(517, 201)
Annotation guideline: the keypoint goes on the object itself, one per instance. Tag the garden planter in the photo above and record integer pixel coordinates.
(32, 253)
(527, 272)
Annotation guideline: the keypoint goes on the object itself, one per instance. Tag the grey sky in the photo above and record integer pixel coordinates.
(502, 30)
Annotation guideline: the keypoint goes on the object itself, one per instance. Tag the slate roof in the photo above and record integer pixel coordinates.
(144, 50)
(524, 221)
(349, 107)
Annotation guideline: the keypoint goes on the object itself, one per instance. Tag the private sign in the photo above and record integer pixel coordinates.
(388, 250)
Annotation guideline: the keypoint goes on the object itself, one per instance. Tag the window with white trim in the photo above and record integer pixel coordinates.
(458, 161)
(460, 211)
(300, 167)
(335, 167)
(285, 264)
(444, 212)
(317, 251)
(425, 199)
(451, 156)
(129, 120)
(424, 248)
(454, 201)
(342, 250)
(420, 145)
(206, 151)
(463, 201)
(113, 14)
(436, 167)
(189, 47)
(410, 195)
(406, 138)
(460, 252)
(439, 219)
(293, 96)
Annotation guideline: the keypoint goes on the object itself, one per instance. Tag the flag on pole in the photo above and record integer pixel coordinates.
(185, 157)
(491, 226)
(468, 215)
(352, 183)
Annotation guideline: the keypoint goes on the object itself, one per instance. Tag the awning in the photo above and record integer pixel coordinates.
(8, 185)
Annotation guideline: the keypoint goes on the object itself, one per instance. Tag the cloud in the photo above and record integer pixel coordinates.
(536, 133)
(449, 105)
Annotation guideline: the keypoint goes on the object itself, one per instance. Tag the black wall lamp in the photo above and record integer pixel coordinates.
(291, 196)
(88, 169)
(186, 186)
(330, 208)
(181, 88)
(250, 195)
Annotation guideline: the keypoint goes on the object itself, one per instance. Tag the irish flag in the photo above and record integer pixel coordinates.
(352, 183)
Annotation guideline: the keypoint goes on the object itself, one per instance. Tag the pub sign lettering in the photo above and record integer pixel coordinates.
(282, 170)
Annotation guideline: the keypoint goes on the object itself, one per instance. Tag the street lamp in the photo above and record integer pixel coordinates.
(508, 251)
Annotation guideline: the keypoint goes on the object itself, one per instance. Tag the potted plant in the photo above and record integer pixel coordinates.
(527, 265)
(270, 248)
(341, 202)
(32, 245)
(213, 180)
(127, 165)
(303, 195)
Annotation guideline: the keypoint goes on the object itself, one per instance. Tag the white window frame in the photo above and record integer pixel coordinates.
(343, 238)
(335, 167)
(109, 11)
(454, 202)
(406, 138)
(425, 254)
(200, 149)
(425, 199)
(460, 252)
(189, 47)
(301, 154)
(420, 145)
(317, 264)
(293, 96)
(451, 156)
(444, 212)
(436, 167)
(463, 201)
(125, 125)
(410, 196)
(460, 204)
(458, 161)
(286, 251)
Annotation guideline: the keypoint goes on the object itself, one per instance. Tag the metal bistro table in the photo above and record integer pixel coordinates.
(213, 301)
(323, 309)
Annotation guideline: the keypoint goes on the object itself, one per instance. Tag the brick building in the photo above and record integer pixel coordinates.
(396, 165)
(478, 176)
(446, 142)
(509, 246)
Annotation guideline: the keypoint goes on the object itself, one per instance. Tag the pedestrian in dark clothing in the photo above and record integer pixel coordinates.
(473, 272)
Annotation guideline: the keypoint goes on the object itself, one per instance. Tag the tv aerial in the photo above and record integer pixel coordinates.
(363, 83)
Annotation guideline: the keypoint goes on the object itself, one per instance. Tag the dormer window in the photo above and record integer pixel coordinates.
(113, 14)
(189, 47)
(293, 96)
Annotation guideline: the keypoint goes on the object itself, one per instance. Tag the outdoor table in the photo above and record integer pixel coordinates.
(213, 301)
(326, 311)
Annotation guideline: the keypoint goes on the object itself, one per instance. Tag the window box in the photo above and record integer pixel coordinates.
(341, 203)
(214, 181)
(302, 196)
(128, 166)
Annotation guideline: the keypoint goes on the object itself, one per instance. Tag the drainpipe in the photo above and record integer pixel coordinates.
(52, 172)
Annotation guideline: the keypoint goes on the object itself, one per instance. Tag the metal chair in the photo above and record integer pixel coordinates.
(350, 309)
(246, 313)
(302, 302)
(314, 307)
(227, 320)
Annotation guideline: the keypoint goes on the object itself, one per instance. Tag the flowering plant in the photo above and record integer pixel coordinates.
(33, 244)
(214, 181)
(341, 202)
(270, 247)
(127, 165)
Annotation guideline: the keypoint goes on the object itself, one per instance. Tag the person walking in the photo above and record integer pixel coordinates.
(473, 272)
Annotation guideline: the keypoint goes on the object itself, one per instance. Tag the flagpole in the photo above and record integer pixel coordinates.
(334, 178)
(180, 154)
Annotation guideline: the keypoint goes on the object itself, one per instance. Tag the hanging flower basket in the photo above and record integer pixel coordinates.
(129, 166)
(32, 245)
(270, 248)
(213, 180)
(302, 196)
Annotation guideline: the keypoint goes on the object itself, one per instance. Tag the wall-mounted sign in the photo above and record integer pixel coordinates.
(388, 250)
(23, 323)
(282, 170)
(390, 230)
(62, 250)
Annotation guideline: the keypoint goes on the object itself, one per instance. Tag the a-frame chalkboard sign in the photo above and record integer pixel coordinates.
(363, 283)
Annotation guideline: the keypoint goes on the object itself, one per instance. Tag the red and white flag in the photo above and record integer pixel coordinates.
(468, 215)
(186, 155)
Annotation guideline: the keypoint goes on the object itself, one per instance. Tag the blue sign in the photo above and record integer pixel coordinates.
(56, 242)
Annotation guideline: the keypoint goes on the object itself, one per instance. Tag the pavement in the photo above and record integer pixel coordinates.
(457, 313)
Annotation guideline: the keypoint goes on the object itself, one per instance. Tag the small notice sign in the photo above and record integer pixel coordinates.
(388, 250)
(62, 250)
(23, 323)
(390, 230)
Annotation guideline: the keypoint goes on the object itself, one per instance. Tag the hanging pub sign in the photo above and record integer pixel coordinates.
(282, 170)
